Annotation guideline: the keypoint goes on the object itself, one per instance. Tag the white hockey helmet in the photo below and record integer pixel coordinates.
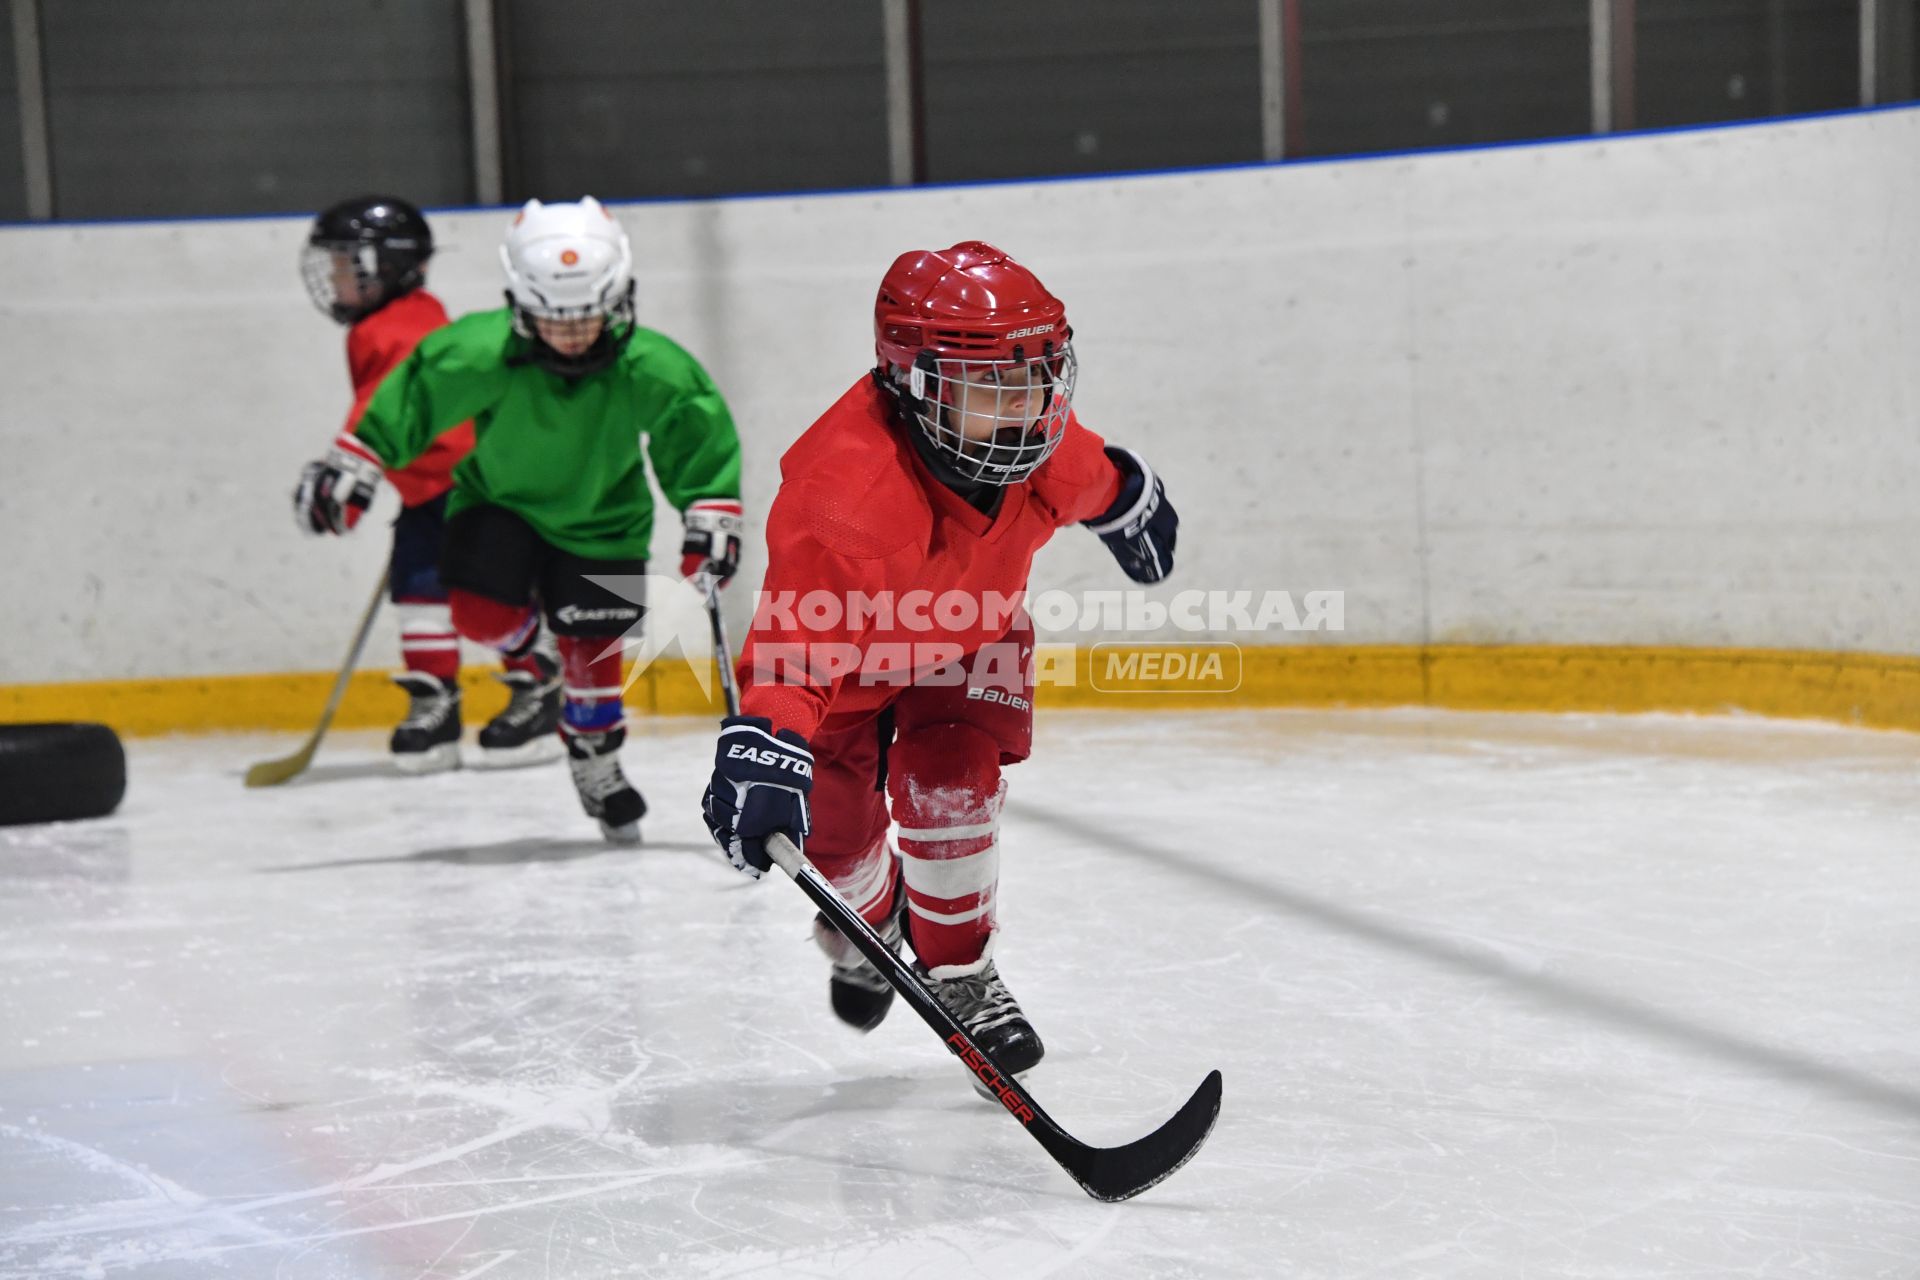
(571, 283)
(566, 260)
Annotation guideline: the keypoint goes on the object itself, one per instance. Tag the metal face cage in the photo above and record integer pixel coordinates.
(995, 421)
(343, 278)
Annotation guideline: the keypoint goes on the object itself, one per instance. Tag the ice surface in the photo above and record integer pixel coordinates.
(1493, 996)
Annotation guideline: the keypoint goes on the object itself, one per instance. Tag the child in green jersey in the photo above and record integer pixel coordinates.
(563, 388)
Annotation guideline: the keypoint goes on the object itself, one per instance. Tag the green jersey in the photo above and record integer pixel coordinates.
(562, 454)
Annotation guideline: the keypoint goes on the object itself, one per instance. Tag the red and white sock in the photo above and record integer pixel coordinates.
(427, 640)
(590, 675)
(950, 855)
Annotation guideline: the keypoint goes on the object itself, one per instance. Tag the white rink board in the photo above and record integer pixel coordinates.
(1649, 390)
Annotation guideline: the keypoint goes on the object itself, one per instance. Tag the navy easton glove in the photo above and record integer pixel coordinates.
(1139, 527)
(760, 784)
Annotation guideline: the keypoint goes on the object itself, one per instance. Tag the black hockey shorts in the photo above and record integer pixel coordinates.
(492, 552)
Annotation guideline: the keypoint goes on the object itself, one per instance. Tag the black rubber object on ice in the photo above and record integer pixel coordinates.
(59, 772)
(1105, 1173)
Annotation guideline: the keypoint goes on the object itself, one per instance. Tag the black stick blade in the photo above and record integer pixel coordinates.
(1120, 1173)
(1105, 1173)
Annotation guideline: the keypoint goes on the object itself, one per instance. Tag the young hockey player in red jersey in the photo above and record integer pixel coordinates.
(941, 473)
(365, 266)
(570, 400)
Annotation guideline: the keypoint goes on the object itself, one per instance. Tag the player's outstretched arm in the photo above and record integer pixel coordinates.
(694, 449)
(453, 374)
(1140, 526)
(334, 491)
(695, 452)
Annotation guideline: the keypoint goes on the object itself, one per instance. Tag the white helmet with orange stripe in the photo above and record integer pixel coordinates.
(569, 271)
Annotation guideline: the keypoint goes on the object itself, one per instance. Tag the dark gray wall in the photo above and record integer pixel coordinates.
(1016, 89)
(173, 107)
(1395, 75)
(13, 180)
(196, 107)
(1702, 61)
(631, 98)
(1900, 59)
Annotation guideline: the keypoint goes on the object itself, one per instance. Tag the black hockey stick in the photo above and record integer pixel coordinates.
(1105, 1173)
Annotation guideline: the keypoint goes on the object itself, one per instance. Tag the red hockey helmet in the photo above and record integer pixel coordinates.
(981, 355)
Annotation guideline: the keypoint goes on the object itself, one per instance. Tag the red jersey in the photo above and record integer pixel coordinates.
(376, 346)
(858, 512)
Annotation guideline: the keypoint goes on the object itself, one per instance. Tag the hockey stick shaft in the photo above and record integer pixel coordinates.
(722, 651)
(271, 773)
(1115, 1173)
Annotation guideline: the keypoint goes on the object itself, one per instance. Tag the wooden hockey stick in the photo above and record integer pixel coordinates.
(1105, 1173)
(271, 773)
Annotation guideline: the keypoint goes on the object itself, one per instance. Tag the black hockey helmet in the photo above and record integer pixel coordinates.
(363, 253)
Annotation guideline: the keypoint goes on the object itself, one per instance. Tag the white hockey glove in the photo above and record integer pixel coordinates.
(713, 537)
(336, 491)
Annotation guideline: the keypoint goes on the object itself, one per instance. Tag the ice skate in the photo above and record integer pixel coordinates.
(428, 740)
(980, 1001)
(605, 793)
(526, 732)
(860, 994)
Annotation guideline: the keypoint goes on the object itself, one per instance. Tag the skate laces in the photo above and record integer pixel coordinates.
(527, 699)
(596, 776)
(527, 692)
(981, 1002)
(428, 711)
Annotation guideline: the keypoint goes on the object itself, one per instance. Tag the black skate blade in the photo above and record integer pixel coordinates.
(1120, 1173)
